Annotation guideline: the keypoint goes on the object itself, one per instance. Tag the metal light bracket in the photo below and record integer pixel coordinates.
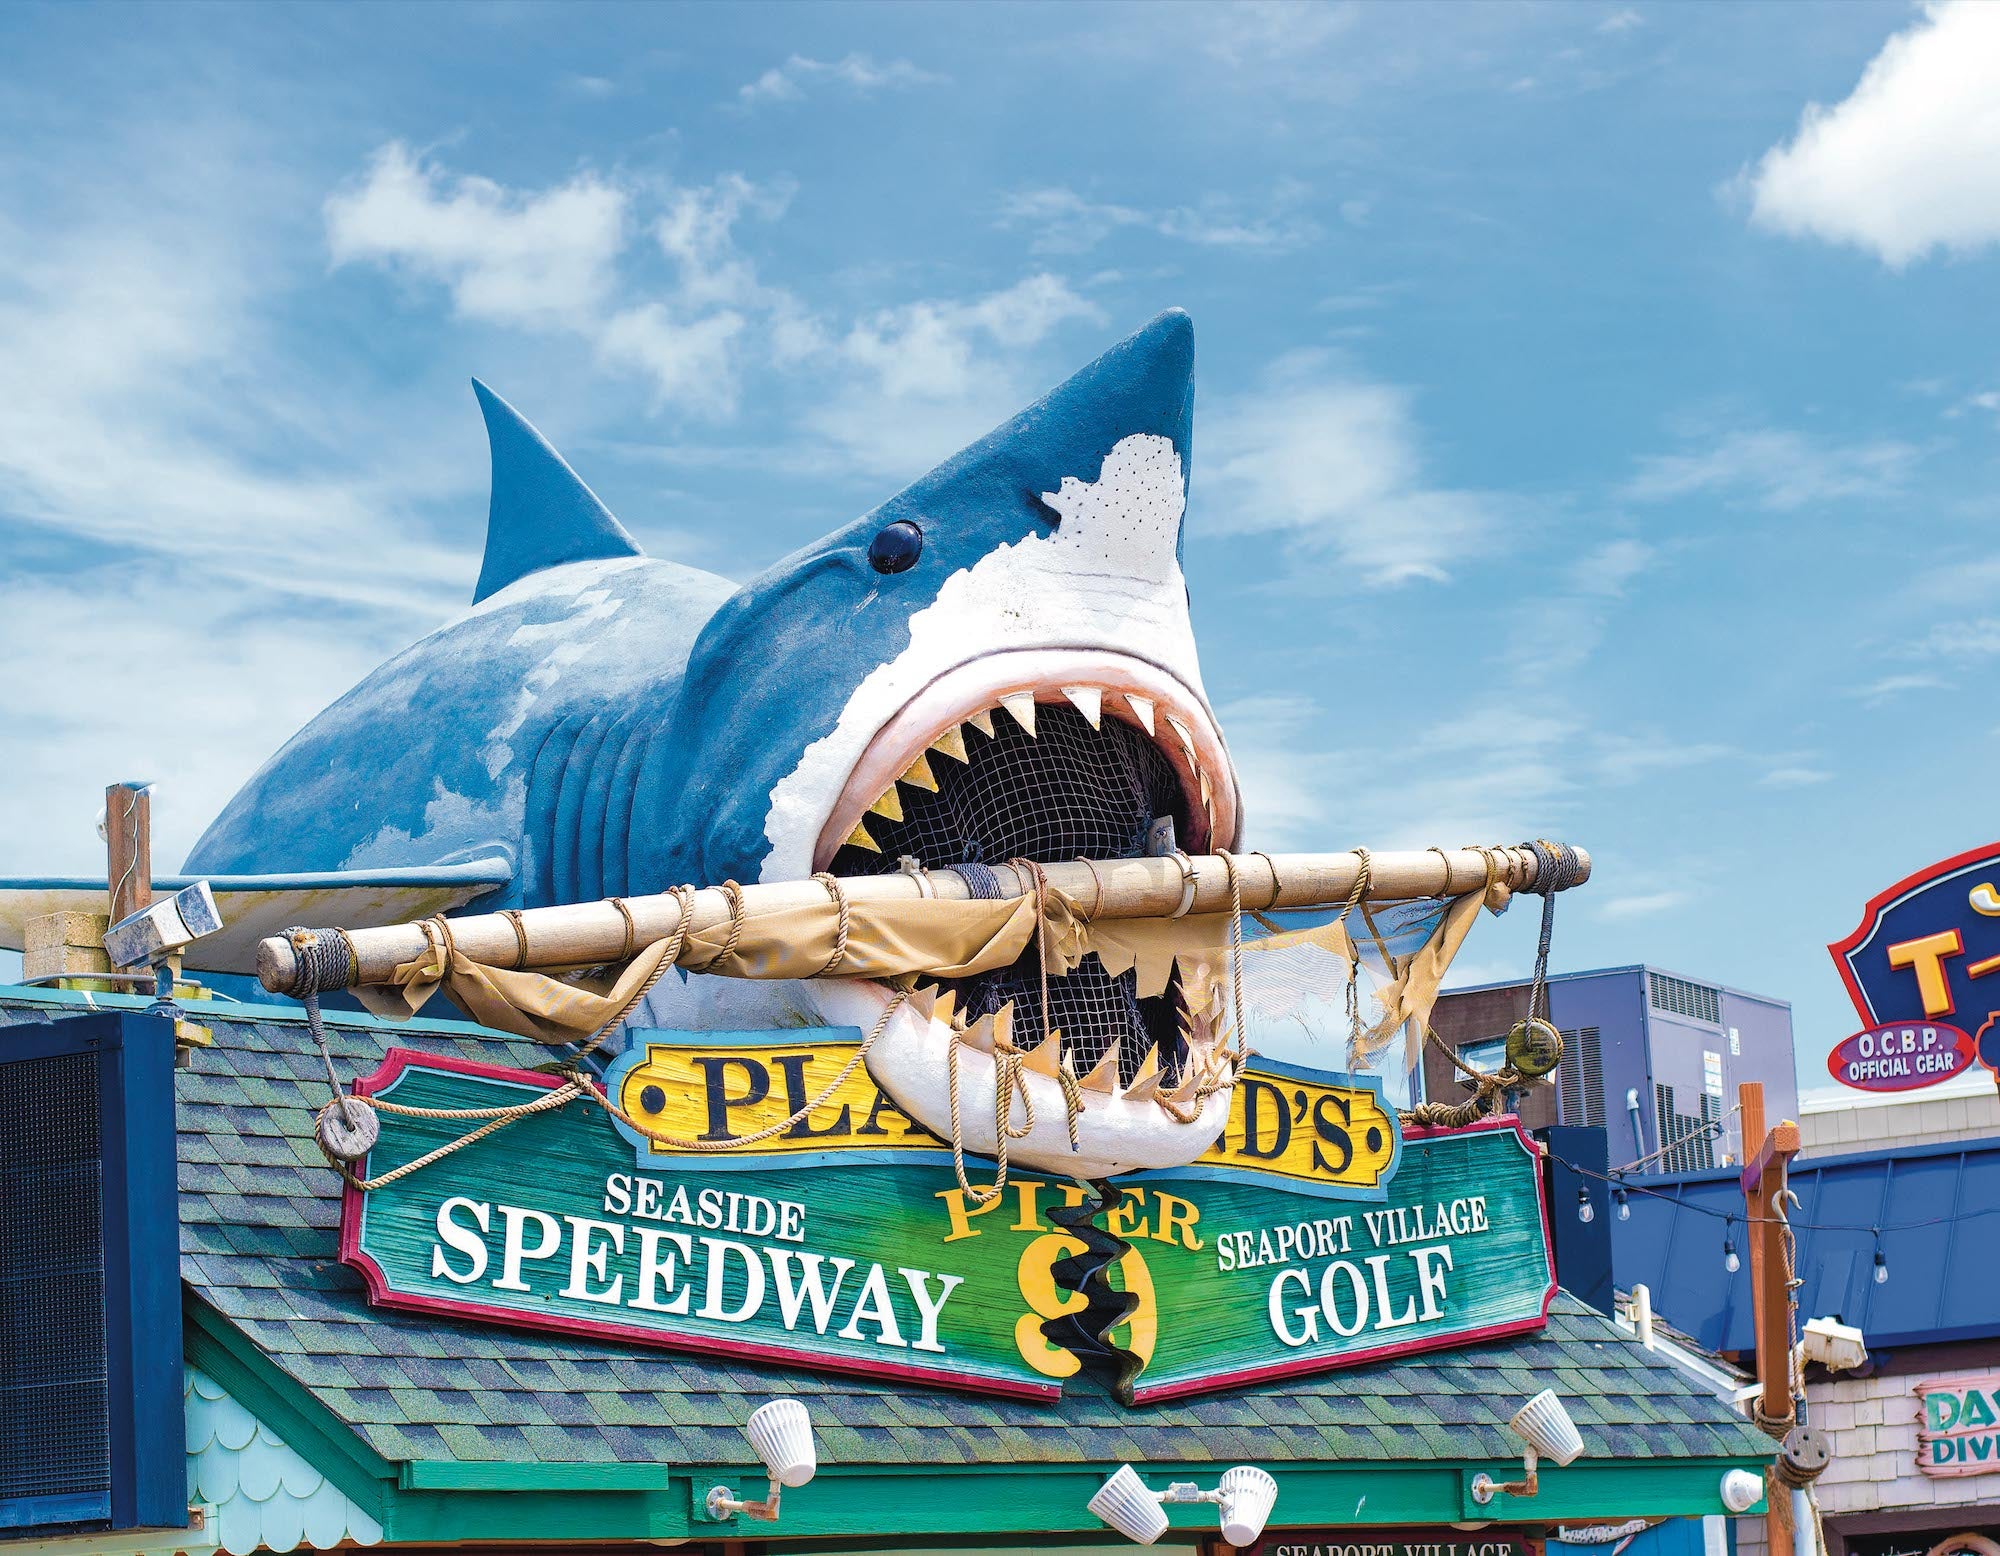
(1485, 1487)
(722, 1504)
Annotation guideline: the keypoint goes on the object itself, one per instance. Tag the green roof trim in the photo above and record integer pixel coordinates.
(449, 1430)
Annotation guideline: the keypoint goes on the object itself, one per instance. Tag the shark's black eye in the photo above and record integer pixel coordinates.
(896, 547)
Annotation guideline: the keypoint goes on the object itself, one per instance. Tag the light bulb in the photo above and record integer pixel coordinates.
(1729, 1260)
(1881, 1269)
(1585, 1212)
(1624, 1205)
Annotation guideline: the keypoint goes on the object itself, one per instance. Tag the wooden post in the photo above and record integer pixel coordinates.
(1767, 1155)
(128, 842)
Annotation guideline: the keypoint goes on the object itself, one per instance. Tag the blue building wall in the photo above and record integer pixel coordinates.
(1721, 1038)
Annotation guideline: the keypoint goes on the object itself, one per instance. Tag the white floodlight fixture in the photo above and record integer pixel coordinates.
(156, 932)
(1834, 1345)
(781, 1432)
(1244, 1497)
(1544, 1425)
(1740, 1490)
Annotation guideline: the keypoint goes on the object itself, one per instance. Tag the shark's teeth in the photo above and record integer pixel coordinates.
(923, 1000)
(1003, 1026)
(1142, 709)
(919, 775)
(951, 743)
(1045, 1058)
(1104, 1075)
(889, 804)
(859, 838)
(982, 721)
(1207, 793)
(1181, 731)
(979, 1035)
(1147, 1081)
(946, 1007)
(1088, 700)
(1020, 707)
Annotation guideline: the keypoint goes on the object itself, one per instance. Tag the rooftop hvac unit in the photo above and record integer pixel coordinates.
(91, 1431)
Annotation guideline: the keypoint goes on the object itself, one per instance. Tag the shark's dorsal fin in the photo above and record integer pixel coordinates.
(541, 512)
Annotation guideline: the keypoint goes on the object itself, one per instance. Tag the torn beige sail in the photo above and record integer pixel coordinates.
(943, 940)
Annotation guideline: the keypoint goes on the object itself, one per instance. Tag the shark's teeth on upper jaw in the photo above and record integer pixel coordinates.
(951, 743)
(919, 775)
(1020, 707)
(1089, 701)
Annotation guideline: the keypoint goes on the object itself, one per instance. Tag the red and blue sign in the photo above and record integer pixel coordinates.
(1923, 969)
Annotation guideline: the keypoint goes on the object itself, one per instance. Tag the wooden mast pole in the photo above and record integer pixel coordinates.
(591, 933)
(128, 846)
(1763, 1180)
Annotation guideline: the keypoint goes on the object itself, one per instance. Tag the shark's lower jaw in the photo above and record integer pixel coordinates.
(1046, 756)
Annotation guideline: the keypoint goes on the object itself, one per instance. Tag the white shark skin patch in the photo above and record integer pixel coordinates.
(1106, 578)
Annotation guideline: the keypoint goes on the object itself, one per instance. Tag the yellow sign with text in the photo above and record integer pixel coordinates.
(1334, 1134)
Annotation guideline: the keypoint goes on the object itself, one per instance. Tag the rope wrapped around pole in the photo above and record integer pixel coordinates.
(601, 933)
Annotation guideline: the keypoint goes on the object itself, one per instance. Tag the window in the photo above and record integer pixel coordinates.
(1696, 1001)
(1485, 1054)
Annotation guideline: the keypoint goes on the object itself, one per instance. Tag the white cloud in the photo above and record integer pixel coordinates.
(1065, 222)
(1977, 639)
(550, 260)
(1334, 461)
(1642, 904)
(1793, 778)
(1909, 163)
(1605, 571)
(1887, 688)
(931, 376)
(859, 72)
(1621, 21)
(531, 259)
(1775, 469)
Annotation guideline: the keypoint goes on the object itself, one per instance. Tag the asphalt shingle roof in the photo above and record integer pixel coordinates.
(260, 1213)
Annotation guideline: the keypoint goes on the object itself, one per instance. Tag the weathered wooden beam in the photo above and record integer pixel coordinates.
(589, 933)
(128, 844)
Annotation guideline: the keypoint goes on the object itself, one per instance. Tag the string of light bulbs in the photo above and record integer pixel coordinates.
(1731, 1260)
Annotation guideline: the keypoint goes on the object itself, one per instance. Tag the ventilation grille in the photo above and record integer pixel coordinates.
(1696, 1001)
(1688, 1140)
(1581, 1075)
(54, 1430)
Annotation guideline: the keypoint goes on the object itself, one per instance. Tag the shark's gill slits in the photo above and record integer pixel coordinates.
(1067, 790)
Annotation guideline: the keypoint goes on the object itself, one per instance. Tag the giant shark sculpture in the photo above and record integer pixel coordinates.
(995, 663)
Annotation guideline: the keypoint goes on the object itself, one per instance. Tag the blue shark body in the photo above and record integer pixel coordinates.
(601, 723)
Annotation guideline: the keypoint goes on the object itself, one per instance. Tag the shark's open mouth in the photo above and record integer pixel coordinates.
(1089, 768)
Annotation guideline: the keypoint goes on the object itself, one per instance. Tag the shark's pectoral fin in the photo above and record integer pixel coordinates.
(541, 514)
(254, 906)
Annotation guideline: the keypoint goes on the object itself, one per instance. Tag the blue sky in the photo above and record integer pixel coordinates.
(1598, 412)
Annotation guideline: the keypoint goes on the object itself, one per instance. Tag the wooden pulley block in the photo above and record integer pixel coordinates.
(1805, 1454)
(347, 1129)
(1534, 1047)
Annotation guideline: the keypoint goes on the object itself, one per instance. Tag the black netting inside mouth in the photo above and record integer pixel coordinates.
(1066, 792)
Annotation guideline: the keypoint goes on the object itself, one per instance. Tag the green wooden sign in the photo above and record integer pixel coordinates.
(883, 1266)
